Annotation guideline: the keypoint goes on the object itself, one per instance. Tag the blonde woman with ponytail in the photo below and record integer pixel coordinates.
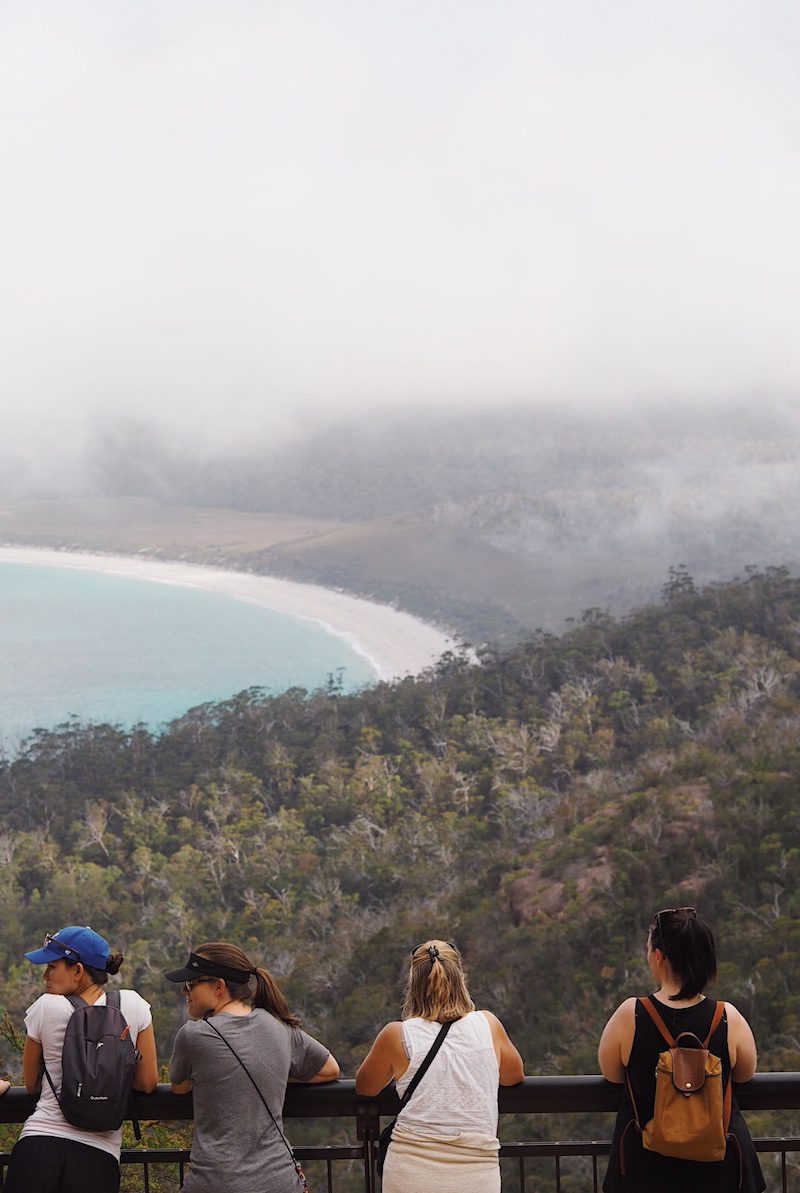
(445, 1137)
(236, 1055)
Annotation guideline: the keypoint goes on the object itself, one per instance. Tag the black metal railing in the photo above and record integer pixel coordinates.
(534, 1096)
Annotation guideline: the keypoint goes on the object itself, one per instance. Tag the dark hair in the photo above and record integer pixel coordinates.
(688, 944)
(100, 976)
(267, 993)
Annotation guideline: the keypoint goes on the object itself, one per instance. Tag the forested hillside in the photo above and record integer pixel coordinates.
(536, 808)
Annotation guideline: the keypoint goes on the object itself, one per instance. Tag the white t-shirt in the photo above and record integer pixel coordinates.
(46, 1022)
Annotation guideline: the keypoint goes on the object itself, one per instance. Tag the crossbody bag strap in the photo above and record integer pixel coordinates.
(254, 1084)
(426, 1063)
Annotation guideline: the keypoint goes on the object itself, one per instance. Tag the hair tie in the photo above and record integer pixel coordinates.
(433, 953)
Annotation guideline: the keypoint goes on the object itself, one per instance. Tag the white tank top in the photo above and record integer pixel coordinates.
(456, 1099)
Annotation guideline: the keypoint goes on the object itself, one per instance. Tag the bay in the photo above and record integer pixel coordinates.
(115, 649)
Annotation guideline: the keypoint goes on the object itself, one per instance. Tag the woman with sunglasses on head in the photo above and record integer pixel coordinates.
(682, 958)
(445, 1137)
(241, 1048)
(52, 1155)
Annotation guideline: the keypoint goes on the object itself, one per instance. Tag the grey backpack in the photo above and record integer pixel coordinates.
(97, 1065)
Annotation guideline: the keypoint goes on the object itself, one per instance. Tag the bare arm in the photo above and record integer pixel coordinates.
(329, 1072)
(145, 1075)
(741, 1045)
(32, 1066)
(386, 1059)
(616, 1042)
(179, 1087)
(508, 1058)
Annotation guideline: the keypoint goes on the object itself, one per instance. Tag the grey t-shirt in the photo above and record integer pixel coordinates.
(235, 1146)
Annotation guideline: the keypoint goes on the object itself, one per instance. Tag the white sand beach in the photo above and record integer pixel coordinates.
(393, 643)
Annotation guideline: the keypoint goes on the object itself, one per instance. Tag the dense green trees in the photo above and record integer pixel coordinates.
(536, 807)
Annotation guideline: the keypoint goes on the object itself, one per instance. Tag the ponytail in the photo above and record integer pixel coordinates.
(437, 985)
(100, 976)
(269, 997)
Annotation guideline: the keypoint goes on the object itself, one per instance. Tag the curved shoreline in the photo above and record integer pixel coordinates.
(394, 644)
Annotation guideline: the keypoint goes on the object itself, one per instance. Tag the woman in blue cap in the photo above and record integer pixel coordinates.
(52, 1155)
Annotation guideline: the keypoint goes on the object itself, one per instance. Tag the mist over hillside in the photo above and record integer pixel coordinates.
(631, 489)
(376, 466)
(494, 523)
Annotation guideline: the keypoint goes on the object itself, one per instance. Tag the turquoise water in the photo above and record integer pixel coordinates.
(121, 650)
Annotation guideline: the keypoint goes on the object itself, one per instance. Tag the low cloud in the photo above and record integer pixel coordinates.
(257, 218)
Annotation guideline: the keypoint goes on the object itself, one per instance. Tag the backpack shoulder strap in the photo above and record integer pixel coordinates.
(650, 1006)
(114, 999)
(76, 1003)
(727, 1100)
(719, 1011)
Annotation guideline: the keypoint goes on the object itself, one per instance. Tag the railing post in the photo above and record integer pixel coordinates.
(368, 1127)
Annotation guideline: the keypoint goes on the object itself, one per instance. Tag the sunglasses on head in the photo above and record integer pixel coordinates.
(51, 942)
(690, 912)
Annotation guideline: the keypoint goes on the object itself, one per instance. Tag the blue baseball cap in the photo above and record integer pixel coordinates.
(73, 944)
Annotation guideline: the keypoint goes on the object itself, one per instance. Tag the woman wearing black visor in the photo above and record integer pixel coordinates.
(237, 1054)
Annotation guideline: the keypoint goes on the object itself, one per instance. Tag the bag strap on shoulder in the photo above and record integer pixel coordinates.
(114, 999)
(650, 1006)
(719, 1011)
(76, 1002)
(298, 1169)
(426, 1063)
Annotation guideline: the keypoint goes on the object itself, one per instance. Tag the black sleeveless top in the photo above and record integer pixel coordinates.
(648, 1172)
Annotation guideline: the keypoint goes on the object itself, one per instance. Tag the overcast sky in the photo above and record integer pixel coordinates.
(223, 213)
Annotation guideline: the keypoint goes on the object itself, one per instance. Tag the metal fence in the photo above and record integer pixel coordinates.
(558, 1165)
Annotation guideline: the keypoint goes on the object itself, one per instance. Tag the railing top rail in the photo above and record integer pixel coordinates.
(578, 1093)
